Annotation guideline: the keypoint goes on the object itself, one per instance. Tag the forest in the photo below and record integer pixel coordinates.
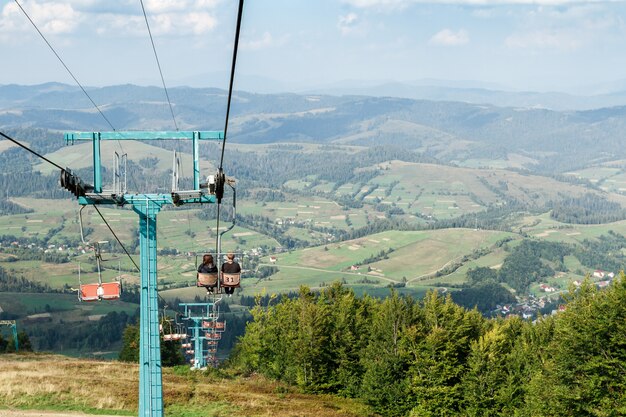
(435, 358)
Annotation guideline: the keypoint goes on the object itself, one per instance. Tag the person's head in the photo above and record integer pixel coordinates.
(230, 256)
(207, 259)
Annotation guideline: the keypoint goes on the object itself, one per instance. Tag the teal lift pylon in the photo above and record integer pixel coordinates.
(13, 325)
(198, 313)
(147, 206)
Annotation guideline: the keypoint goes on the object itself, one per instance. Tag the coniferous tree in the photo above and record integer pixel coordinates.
(584, 374)
(385, 383)
(440, 346)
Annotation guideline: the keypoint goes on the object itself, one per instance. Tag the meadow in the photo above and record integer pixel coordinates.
(58, 383)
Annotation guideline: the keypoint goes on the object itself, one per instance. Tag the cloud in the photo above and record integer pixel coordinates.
(566, 28)
(347, 23)
(546, 39)
(400, 4)
(447, 37)
(119, 18)
(266, 40)
(51, 18)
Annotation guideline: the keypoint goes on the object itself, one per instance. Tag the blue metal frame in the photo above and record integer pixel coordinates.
(15, 338)
(147, 206)
(207, 313)
(150, 378)
(97, 137)
(13, 325)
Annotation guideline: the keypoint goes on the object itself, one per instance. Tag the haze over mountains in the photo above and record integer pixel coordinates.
(449, 131)
(579, 97)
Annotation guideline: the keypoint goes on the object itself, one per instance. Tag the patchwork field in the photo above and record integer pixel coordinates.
(444, 192)
(412, 258)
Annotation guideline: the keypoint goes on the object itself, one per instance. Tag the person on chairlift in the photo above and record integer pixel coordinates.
(230, 267)
(208, 267)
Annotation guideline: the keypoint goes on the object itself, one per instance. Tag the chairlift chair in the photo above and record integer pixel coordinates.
(213, 336)
(213, 282)
(100, 290)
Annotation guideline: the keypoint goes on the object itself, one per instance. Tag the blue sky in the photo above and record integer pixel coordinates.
(295, 45)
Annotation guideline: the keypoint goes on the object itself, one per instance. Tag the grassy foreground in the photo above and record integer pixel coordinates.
(52, 382)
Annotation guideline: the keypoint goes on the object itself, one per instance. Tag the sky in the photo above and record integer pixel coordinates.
(298, 45)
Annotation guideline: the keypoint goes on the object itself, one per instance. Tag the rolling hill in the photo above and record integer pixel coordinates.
(550, 141)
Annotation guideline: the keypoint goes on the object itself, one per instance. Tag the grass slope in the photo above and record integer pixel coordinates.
(50, 382)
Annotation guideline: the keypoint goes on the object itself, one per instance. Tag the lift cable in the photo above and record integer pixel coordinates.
(31, 151)
(73, 77)
(116, 238)
(232, 77)
(95, 206)
(230, 95)
(64, 169)
(104, 116)
(63, 63)
(126, 251)
(158, 64)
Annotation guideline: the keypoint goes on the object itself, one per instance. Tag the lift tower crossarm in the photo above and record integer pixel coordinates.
(97, 137)
(145, 135)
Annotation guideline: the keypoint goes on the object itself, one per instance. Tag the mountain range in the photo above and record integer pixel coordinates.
(450, 131)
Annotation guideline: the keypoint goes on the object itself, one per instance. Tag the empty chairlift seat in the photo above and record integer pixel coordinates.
(104, 291)
(89, 292)
(111, 290)
(214, 336)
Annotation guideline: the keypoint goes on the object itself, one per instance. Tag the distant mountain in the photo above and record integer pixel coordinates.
(451, 131)
(479, 95)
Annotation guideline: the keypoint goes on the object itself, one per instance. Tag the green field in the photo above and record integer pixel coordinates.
(415, 256)
(64, 306)
(445, 192)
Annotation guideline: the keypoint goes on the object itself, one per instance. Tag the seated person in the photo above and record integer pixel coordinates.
(208, 267)
(230, 267)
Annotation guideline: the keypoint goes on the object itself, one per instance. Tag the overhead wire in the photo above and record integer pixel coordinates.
(232, 78)
(116, 238)
(63, 63)
(31, 151)
(73, 76)
(156, 56)
(61, 168)
(235, 49)
(228, 104)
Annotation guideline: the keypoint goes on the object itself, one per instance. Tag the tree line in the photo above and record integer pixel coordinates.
(588, 209)
(435, 358)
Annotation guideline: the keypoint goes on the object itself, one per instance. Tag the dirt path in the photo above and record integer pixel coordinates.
(20, 413)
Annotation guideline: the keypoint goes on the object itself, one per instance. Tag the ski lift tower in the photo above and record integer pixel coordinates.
(13, 325)
(147, 206)
(198, 313)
